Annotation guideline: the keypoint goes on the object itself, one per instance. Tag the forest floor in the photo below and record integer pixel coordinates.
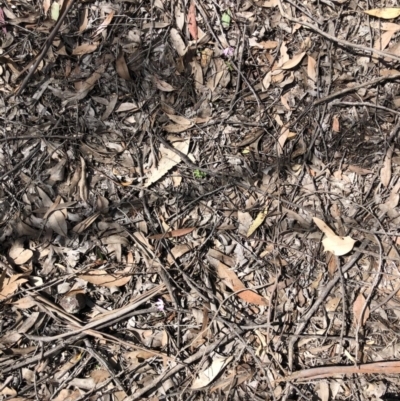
(198, 200)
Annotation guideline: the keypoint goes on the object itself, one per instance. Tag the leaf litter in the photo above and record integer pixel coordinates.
(161, 167)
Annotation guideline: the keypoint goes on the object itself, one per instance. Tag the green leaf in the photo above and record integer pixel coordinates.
(55, 11)
(226, 19)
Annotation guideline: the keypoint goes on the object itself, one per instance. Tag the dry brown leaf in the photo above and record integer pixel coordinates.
(386, 171)
(339, 246)
(357, 310)
(85, 87)
(24, 303)
(99, 375)
(178, 251)
(266, 82)
(293, 62)
(121, 66)
(332, 265)
(82, 185)
(46, 6)
(104, 24)
(312, 71)
(19, 254)
(128, 106)
(110, 107)
(385, 26)
(83, 17)
(85, 48)
(268, 3)
(85, 224)
(382, 42)
(232, 281)
(176, 128)
(174, 233)
(169, 159)
(10, 285)
(268, 44)
(192, 24)
(335, 124)
(58, 223)
(278, 76)
(208, 375)
(197, 72)
(179, 15)
(245, 220)
(323, 391)
(115, 239)
(162, 85)
(180, 120)
(177, 42)
(67, 395)
(217, 75)
(384, 13)
(102, 278)
(156, 25)
(237, 376)
(214, 256)
(282, 140)
(250, 137)
(332, 304)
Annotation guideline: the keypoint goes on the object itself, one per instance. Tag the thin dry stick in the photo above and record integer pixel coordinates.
(139, 300)
(329, 371)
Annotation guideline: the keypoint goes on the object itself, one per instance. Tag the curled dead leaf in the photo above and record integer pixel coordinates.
(339, 246)
(293, 62)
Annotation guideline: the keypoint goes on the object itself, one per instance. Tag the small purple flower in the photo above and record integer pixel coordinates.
(160, 305)
(228, 52)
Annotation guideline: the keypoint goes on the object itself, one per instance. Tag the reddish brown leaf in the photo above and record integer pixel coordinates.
(358, 307)
(121, 67)
(85, 48)
(101, 278)
(232, 281)
(174, 233)
(335, 124)
(192, 24)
